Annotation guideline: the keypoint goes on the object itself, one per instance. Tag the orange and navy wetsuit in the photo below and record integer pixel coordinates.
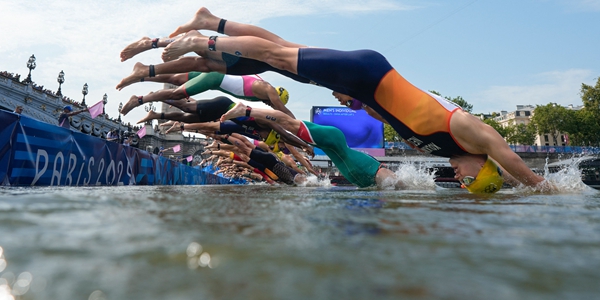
(420, 118)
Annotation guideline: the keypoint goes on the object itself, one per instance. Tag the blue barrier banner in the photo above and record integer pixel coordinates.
(39, 154)
(8, 122)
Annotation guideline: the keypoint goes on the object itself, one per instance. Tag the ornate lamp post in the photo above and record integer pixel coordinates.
(120, 107)
(30, 65)
(105, 100)
(84, 92)
(150, 107)
(61, 80)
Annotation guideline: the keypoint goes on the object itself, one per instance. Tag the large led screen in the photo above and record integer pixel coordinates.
(361, 130)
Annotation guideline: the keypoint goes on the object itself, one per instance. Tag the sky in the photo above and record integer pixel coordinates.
(494, 54)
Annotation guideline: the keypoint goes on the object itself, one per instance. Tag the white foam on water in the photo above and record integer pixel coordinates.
(568, 179)
(413, 177)
(314, 181)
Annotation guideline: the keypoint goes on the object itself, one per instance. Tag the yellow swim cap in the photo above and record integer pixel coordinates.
(284, 96)
(279, 154)
(272, 138)
(489, 179)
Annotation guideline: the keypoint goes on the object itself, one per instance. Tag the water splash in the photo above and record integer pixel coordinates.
(564, 179)
(415, 177)
(314, 181)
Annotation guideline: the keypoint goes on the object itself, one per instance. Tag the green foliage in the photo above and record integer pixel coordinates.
(584, 129)
(587, 129)
(590, 95)
(582, 126)
(551, 118)
(466, 106)
(389, 134)
(435, 93)
(521, 134)
(501, 130)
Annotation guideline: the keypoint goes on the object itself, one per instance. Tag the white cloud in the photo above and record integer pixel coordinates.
(582, 5)
(562, 87)
(84, 38)
(590, 4)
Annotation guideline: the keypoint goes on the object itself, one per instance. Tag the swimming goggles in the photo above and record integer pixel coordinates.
(468, 180)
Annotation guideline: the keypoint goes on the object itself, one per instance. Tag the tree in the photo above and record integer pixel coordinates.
(390, 135)
(521, 134)
(462, 103)
(552, 119)
(584, 129)
(501, 130)
(457, 100)
(590, 95)
(435, 93)
(590, 115)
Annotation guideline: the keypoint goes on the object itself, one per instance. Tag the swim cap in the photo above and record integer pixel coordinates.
(284, 96)
(489, 179)
(272, 138)
(276, 147)
(68, 107)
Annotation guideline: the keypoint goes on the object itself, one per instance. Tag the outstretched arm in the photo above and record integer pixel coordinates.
(277, 104)
(374, 114)
(291, 139)
(510, 162)
(271, 119)
(265, 90)
(479, 138)
(300, 158)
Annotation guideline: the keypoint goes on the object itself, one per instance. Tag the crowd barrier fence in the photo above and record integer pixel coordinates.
(34, 153)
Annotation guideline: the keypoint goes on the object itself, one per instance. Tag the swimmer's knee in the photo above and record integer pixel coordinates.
(280, 59)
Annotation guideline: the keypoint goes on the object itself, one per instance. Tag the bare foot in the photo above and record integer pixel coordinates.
(183, 45)
(135, 48)
(139, 71)
(239, 110)
(213, 145)
(168, 123)
(150, 116)
(203, 19)
(175, 127)
(131, 104)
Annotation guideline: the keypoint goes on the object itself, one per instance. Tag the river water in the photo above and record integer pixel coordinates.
(311, 242)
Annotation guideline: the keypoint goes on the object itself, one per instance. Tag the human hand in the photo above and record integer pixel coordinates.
(310, 151)
(547, 187)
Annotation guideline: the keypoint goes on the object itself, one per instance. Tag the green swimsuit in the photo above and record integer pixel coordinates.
(237, 86)
(359, 168)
